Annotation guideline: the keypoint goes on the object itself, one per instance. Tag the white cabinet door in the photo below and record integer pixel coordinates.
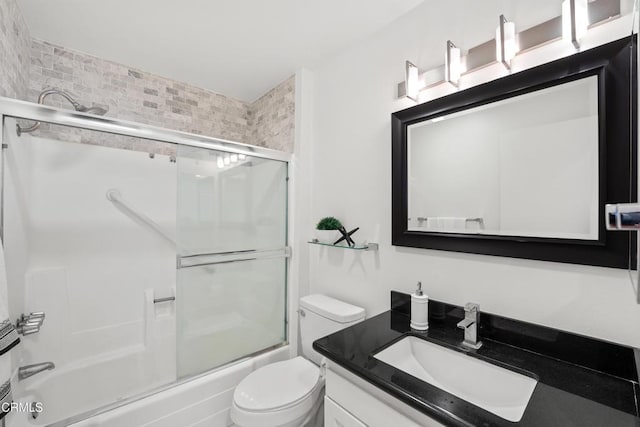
(336, 416)
(369, 405)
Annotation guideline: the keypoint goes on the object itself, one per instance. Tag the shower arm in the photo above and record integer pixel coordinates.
(77, 106)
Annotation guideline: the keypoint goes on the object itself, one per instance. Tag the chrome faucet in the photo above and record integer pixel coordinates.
(25, 372)
(470, 326)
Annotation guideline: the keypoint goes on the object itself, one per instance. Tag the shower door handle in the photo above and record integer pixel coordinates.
(165, 299)
(199, 260)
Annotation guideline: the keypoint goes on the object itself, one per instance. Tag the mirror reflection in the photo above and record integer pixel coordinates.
(523, 166)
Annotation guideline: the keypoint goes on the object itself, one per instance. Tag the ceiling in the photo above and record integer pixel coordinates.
(239, 48)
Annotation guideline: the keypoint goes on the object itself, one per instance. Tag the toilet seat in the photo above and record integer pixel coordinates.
(279, 394)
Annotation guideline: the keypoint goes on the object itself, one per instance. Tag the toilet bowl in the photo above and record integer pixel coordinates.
(290, 393)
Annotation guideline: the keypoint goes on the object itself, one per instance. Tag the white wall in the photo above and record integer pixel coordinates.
(354, 95)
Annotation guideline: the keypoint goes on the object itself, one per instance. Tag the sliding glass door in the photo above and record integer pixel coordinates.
(232, 257)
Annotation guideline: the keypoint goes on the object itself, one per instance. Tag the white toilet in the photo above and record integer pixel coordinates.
(290, 393)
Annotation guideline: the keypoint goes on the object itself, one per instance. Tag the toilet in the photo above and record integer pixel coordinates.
(290, 393)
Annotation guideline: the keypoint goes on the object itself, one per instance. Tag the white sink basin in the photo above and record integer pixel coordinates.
(494, 389)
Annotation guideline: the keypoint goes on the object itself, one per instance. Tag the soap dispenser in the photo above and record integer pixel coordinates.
(419, 310)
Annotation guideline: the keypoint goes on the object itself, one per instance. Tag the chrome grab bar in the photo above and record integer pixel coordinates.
(115, 197)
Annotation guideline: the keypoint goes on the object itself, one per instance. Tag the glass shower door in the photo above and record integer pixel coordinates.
(232, 257)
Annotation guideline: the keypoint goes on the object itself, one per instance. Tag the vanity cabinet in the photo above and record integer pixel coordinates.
(352, 402)
(336, 416)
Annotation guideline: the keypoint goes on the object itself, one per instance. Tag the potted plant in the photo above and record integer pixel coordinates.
(327, 230)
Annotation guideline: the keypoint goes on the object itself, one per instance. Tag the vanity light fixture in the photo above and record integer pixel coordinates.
(220, 162)
(452, 64)
(505, 42)
(575, 19)
(577, 16)
(412, 80)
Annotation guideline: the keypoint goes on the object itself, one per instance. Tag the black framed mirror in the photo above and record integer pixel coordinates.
(523, 166)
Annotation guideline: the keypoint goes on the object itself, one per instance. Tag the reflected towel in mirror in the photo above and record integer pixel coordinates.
(448, 223)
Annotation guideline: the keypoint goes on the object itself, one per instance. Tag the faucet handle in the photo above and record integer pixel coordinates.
(471, 307)
(31, 323)
(28, 330)
(465, 323)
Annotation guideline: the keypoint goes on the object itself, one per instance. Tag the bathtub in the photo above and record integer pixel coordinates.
(201, 401)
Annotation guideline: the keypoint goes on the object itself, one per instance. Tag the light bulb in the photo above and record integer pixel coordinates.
(579, 18)
(452, 64)
(412, 81)
(508, 34)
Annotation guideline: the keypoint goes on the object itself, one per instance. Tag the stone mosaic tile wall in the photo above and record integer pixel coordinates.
(272, 117)
(135, 95)
(14, 51)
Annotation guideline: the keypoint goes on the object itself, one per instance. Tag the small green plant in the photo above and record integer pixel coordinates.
(329, 223)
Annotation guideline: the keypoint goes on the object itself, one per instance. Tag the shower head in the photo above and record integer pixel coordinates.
(99, 111)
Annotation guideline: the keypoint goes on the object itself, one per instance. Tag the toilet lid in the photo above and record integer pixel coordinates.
(276, 385)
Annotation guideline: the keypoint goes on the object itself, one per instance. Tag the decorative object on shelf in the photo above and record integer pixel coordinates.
(328, 229)
(346, 236)
(576, 18)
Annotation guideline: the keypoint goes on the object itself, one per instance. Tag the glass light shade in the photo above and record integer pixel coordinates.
(220, 162)
(227, 159)
(581, 20)
(452, 64)
(412, 81)
(510, 48)
(234, 158)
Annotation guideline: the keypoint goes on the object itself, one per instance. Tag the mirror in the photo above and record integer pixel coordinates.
(522, 166)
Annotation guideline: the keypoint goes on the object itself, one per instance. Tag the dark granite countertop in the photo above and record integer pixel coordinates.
(567, 394)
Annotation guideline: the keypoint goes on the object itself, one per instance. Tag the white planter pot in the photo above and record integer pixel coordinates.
(327, 236)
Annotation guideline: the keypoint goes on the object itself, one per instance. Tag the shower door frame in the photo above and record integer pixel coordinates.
(23, 110)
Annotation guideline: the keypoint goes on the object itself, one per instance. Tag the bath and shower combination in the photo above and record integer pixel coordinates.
(157, 324)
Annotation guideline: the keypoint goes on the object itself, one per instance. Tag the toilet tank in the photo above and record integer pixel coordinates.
(320, 316)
